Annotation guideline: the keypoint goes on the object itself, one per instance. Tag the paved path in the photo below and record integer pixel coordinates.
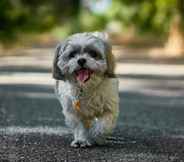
(150, 126)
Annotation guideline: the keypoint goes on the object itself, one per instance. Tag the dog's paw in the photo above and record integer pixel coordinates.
(80, 143)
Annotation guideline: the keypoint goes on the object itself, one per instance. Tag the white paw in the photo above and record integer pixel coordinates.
(80, 143)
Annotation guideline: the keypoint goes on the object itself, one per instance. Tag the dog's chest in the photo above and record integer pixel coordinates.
(89, 102)
(86, 101)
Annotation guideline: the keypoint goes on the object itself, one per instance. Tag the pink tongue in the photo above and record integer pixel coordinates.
(83, 75)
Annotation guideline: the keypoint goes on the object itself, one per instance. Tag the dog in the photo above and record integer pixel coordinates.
(87, 87)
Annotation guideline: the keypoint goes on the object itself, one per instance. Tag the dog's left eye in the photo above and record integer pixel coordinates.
(72, 54)
(93, 53)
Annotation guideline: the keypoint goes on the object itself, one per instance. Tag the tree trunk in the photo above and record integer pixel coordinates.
(175, 43)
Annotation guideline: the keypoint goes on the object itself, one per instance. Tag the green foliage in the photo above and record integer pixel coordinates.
(89, 22)
(21, 16)
(17, 16)
(145, 15)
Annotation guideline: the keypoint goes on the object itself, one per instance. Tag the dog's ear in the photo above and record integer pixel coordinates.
(102, 35)
(109, 55)
(110, 64)
(56, 72)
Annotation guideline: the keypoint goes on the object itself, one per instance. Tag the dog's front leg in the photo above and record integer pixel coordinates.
(80, 136)
(102, 126)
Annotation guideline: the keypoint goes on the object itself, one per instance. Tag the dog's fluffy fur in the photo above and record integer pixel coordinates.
(87, 91)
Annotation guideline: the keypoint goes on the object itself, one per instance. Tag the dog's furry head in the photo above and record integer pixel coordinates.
(83, 54)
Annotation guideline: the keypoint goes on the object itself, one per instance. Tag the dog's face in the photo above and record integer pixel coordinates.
(82, 55)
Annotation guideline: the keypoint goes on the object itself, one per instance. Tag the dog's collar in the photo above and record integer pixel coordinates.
(87, 90)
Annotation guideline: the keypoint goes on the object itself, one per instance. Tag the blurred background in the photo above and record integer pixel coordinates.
(148, 44)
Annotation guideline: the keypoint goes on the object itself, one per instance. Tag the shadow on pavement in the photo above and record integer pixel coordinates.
(150, 127)
(151, 77)
(32, 69)
(34, 105)
(29, 105)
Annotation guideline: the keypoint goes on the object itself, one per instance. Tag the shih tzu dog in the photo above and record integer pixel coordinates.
(86, 87)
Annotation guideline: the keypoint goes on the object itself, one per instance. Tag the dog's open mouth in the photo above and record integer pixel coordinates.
(83, 75)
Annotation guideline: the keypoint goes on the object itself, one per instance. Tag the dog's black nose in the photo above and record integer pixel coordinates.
(81, 61)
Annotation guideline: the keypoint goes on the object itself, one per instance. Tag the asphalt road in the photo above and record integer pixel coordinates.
(150, 126)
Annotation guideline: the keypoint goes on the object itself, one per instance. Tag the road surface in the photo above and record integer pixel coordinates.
(150, 126)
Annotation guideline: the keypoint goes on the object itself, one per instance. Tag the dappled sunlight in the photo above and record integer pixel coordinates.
(42, 58)
(158, 93)
(32, 95)
(154, 69)
(12, 130)
(160, 53)
(26, 78)
(152, 87)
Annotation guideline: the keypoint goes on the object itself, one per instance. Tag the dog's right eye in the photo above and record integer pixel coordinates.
(72, 54)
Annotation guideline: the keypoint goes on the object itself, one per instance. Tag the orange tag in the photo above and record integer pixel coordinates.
(77, 105)
(87, 124)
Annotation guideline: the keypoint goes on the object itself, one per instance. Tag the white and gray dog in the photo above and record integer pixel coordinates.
(86, 87)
